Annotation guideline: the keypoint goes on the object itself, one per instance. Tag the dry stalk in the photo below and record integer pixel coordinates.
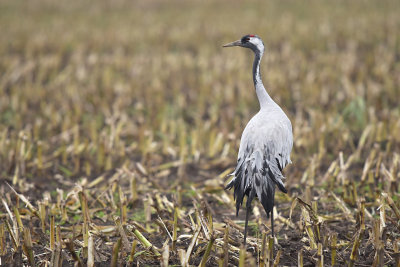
(277, 258)
(42, 215)
(18, 217)
(333, 248)
(359, 236)
(207, 252)
(397, 252)
(70, 247)
(147, 211)
(84, 206)
(52, 232)
(123, 207)
(300, 258)
(27, 247)
(122, 233)
(14, 240)
(320, 262)
(90, 261)
(175, 229)
(242, 256)
(115, 253)
(2, 240)
(165, 227)
(25, 200)
(343, 206)
(165, 255)
(56, 259)
(132, 253)
(379, 246)
(226, 246)
(392, 205)
(145, 242)
(191, 246)
(270, 251)
(85, 233)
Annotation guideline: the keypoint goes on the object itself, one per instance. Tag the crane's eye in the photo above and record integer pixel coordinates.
(245, 39)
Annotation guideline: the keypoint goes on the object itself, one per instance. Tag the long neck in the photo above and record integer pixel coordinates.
(262, 94)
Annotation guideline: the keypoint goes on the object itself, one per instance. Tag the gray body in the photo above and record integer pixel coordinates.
(265, 145)
(264, 151)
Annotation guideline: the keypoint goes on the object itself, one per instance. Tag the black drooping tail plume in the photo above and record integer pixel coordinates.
(256, 176)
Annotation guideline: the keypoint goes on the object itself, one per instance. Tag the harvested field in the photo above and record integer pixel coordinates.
(120, 122)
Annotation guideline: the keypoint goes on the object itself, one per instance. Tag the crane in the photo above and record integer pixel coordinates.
(265, 146)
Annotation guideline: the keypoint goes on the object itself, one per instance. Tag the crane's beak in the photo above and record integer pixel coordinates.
(235, 43)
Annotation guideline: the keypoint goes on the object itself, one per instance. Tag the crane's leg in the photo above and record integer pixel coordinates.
(272, 231)
(248, 207)
(272, 222)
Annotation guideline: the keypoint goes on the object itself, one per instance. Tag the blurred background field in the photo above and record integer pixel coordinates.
(124, 117)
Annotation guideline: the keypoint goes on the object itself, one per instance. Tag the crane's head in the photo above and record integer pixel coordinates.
(251, 41)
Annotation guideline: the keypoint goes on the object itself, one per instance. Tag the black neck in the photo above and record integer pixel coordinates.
(262, 95)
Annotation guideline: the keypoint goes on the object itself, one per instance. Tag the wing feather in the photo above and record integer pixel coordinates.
(264, 152)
